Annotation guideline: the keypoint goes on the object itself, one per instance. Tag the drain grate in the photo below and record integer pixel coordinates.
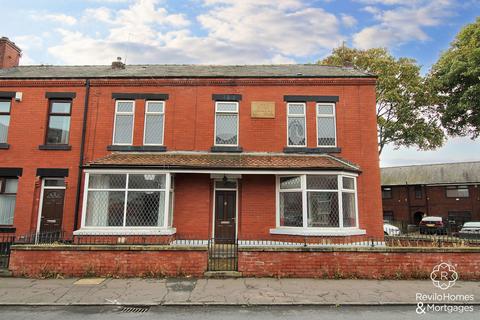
(135, 309)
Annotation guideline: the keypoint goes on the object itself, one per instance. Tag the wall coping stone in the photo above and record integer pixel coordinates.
(103, 247)
(360, 249)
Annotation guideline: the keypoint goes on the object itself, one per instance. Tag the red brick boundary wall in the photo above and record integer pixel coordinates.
(362, 263)
(178, 261)
(114, 261)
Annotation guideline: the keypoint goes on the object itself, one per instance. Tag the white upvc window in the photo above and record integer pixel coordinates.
(296, 124)
(128, 201)
(8, 197)
(317, 204)
(326, 125)
(123, 123)
(154, 123)
(226, 123)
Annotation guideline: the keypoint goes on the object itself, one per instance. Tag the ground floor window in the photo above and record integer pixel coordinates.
(317, 201)
(128, 200)
(8, 197)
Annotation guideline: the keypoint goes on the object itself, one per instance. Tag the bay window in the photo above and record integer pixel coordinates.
(316, 202)
(128, 200)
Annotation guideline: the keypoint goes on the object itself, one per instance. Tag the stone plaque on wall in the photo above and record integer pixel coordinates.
(263, 109)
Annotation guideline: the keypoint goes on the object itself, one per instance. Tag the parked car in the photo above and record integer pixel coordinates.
(390, 230)
(432, 225)
(470, 230)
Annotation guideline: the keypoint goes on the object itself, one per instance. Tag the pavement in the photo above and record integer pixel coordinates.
(221, 292)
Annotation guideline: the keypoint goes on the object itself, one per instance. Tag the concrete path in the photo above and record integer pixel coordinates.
(241, 291)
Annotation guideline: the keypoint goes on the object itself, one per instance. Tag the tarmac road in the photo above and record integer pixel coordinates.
(226, 313)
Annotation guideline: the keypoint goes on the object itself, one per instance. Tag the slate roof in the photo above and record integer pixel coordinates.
(183, 71)
(445, 173)
(204, 160)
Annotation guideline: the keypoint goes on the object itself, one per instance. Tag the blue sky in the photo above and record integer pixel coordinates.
(240, 32)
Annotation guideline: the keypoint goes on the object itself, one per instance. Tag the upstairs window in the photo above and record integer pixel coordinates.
(326, 127)
(4, 119)
(123, 126)
(58, 131)
(418, 192)
(296, 125)
(154, 123)
(386, 193)
(8, 197)
(226, 123)
(457, 192)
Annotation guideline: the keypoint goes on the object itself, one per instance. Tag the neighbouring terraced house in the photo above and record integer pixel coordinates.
(197, 152)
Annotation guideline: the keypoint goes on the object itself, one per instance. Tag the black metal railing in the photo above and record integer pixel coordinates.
(222, 254)
(5, 244)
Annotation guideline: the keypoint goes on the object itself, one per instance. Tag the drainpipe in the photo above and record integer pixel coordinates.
(82, 151)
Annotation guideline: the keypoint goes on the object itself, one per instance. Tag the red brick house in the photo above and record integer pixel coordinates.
(447, 190)
(189, 151)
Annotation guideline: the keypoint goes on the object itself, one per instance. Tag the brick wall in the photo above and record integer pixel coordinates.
(367, 264)
(124, 263)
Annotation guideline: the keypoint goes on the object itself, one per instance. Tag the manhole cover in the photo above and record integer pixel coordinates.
(135, 309)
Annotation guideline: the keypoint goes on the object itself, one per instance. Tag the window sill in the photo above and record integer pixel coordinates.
(137, 148)
(312, 150)
(4, 146)
(125, 231)
(226, 149)
(7, 229)
(319, 231)
(64, 147)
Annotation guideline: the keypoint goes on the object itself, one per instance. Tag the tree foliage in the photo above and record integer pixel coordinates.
(404, 113)
(456, 79)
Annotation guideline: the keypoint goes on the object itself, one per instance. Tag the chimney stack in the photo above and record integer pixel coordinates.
(118, 64)
(9, 53)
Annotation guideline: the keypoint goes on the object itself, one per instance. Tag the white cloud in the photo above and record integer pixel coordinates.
(402, 23)
(57, 17)
(235, 32)
(348, 21)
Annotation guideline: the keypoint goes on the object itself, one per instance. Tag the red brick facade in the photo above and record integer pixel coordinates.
(432, 201)
(189, 126)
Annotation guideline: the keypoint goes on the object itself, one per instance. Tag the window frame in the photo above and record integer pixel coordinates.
(304, 190)
(418, 191)
(58, 114)
(237, 113)
(9, 114)
(165, 229)
(391, 193)
(333, 115)
(147, 113)
(457, 187)
(304, 121)
(132, 113)
(3, 185)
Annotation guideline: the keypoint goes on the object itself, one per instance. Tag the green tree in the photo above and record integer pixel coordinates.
(404, 113)
(456, 79)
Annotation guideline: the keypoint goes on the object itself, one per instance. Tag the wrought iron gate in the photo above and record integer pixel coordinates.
(5, 243)
(222, 255)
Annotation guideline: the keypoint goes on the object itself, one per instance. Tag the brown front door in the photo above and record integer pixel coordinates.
(225, 211)
(52, 210)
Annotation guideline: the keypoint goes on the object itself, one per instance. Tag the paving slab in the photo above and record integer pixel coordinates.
(237, 291)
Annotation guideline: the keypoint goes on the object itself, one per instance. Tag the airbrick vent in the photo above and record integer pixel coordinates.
(135, 309)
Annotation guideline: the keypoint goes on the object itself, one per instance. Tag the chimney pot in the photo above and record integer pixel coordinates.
(118, 64)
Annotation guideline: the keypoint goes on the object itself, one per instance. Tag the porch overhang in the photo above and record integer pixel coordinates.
(220, 163)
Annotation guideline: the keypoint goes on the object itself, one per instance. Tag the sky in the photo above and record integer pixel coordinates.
(81, 32)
